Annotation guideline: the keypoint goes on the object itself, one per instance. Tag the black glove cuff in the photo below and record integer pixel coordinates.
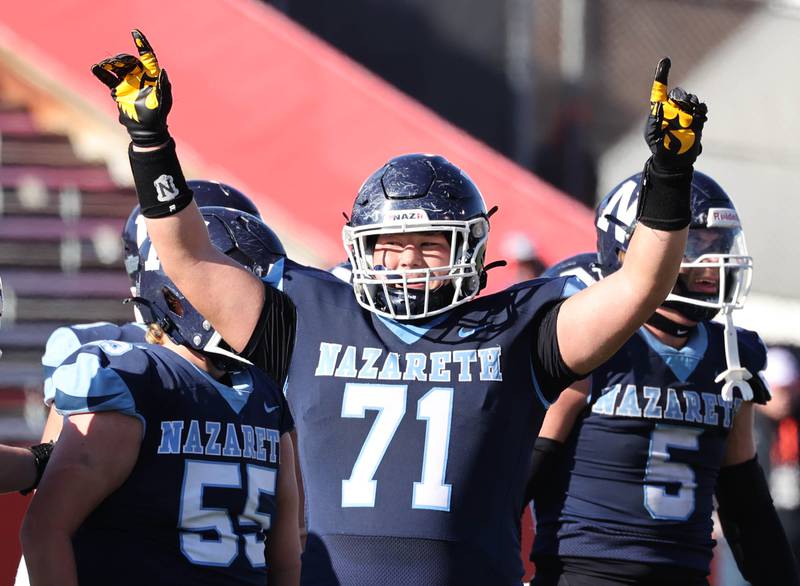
(665, 197)
(148, 138)
(159, 180)
(41, 456)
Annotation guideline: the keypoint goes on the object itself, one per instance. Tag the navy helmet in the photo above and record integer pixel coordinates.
(716, 241)
(206, 193)
(583, 266)
(410, 194)
(241, 236)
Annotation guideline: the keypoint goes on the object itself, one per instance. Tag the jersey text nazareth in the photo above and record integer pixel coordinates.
(374, 364)
(646, 402)
(213, 438)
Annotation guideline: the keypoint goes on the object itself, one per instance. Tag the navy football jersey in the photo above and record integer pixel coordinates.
(197, 505)
(641, 465)
(65, 340)
(413, 439)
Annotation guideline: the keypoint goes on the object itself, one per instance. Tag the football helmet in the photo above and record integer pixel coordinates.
(241, 236)
(583, 266)
(716, 243)
(411, 194)
(206, 193)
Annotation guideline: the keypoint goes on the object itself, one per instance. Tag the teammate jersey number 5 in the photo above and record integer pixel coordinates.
(435, 407)
(662, 473)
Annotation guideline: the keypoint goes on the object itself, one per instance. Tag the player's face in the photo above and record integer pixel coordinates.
(415, 250)
(702, 245)
(704, 281)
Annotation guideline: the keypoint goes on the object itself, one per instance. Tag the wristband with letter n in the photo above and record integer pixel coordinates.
(160, 184)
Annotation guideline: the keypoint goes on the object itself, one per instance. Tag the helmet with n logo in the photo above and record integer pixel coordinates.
(206, 193)
(241, 236)
(716, 246)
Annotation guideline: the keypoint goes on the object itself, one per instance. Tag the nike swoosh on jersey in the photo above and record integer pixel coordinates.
(269, 409)
(467, 332)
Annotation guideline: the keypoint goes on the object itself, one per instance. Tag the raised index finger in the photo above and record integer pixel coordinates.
(146, 54)
(658, 93)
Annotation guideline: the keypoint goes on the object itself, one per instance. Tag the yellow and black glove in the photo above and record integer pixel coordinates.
(142, 91)
(675, 124)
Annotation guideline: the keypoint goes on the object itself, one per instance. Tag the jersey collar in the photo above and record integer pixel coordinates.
(681, 361)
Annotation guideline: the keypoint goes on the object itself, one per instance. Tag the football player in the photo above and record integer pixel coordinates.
(407, 394)
(167, 468)
(65, 340)
(630, 485)
(21, 468)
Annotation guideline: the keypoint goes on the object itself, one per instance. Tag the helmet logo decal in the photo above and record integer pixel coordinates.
(722, 218)
(405, 215)
(625, 204)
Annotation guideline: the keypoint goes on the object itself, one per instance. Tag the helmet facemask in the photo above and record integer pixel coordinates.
(715, 259)
(390, 292)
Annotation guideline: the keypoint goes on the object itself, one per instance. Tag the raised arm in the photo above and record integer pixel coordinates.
(221, 290)
(593, 324)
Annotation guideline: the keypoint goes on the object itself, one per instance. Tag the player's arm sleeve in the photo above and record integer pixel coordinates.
(271, 344)
(752, 527)
(551, 374)
(96, 380)
(61, 343)
(753, 352)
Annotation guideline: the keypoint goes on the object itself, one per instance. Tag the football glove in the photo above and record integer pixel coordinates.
(142, 91)
(41, 456)
(675, 123)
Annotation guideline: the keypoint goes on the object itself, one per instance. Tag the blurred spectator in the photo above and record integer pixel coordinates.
(520, 249)
(563, 159)
(779, 441)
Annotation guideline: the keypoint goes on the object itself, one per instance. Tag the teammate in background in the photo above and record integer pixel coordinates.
(65, 340)
(167, 468)
(407, 395)
(630, 485)
(21, 468)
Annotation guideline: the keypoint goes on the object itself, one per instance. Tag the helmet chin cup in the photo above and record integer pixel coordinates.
(412, 302)
(696, 313)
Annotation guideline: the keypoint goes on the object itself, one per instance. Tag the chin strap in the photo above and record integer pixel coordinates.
(670, 327)
(735, 376)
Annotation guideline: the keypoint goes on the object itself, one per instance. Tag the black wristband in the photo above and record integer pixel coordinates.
(41, 456)
(665, 197)
(159, 180)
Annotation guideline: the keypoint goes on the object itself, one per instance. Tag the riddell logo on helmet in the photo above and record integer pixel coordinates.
(722, 218)
(405, 216)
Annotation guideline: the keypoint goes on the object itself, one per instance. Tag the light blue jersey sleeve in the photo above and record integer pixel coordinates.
(65, 340)
(104, 376)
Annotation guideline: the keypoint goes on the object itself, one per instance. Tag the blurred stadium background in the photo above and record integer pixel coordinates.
(295, 102)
